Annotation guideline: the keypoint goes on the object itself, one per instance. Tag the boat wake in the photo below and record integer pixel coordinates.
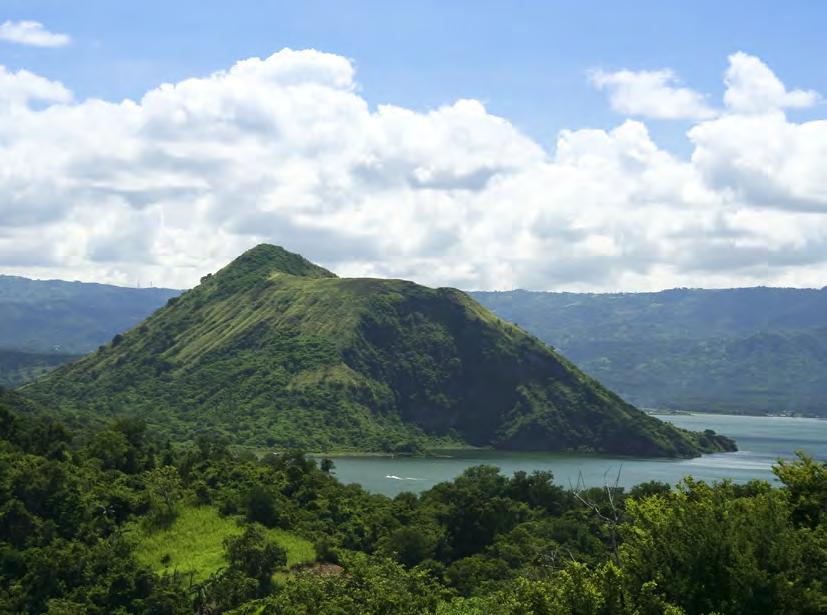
(391, 476)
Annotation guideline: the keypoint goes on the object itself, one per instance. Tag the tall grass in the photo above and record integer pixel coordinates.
(194, 543)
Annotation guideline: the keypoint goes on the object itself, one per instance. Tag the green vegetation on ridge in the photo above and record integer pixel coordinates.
(275, 351)
(748, 350)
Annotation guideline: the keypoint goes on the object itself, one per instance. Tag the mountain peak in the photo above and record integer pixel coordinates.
(266, 259)
(325, 364)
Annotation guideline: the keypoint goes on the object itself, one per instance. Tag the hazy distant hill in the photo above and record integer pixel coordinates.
(274, 350)
(748, 350)
(46, 323)
(18, 367)
(70, 317)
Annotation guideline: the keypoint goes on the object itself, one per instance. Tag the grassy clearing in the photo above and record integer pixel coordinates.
(195, 543)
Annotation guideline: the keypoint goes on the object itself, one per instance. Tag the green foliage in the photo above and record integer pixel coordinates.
(254, 555)
(124, 446)
(475, 508)
(576, 590)
(273, 351)
(59, 544)
(74, 536)
(262, 506)
(367, 587)
(411, 545)
(223, 591)
(722, 548)
(806, 482)
(163, 485)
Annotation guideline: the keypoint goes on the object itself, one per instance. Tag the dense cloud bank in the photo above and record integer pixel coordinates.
(285, 150)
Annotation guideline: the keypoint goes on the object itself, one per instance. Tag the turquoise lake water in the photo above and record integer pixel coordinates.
(761, 441)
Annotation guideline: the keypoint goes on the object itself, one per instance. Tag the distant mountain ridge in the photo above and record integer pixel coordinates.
(54, 316)
(276, 351)
(752, 350)
(746, 350)
(46, 323)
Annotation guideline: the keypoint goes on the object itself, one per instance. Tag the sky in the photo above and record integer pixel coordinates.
(482, 145)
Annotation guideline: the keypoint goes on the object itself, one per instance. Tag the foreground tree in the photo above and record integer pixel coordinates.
(253, 555)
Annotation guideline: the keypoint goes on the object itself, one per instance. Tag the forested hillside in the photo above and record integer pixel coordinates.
(120, 521)
(749, 350)
(276, 351)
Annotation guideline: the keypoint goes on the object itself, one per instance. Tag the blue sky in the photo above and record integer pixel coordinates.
(526, 60)
(482, 145)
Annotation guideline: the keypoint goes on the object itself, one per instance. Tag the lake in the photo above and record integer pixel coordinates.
(761, 440)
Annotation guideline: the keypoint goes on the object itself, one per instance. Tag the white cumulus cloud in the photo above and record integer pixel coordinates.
(284, 149)
(753, 88)
(21, 87)
(656, 94)
(32, 33)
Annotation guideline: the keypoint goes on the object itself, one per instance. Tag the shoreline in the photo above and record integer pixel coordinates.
(432, 453)
(754, 416)
(459, 452)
